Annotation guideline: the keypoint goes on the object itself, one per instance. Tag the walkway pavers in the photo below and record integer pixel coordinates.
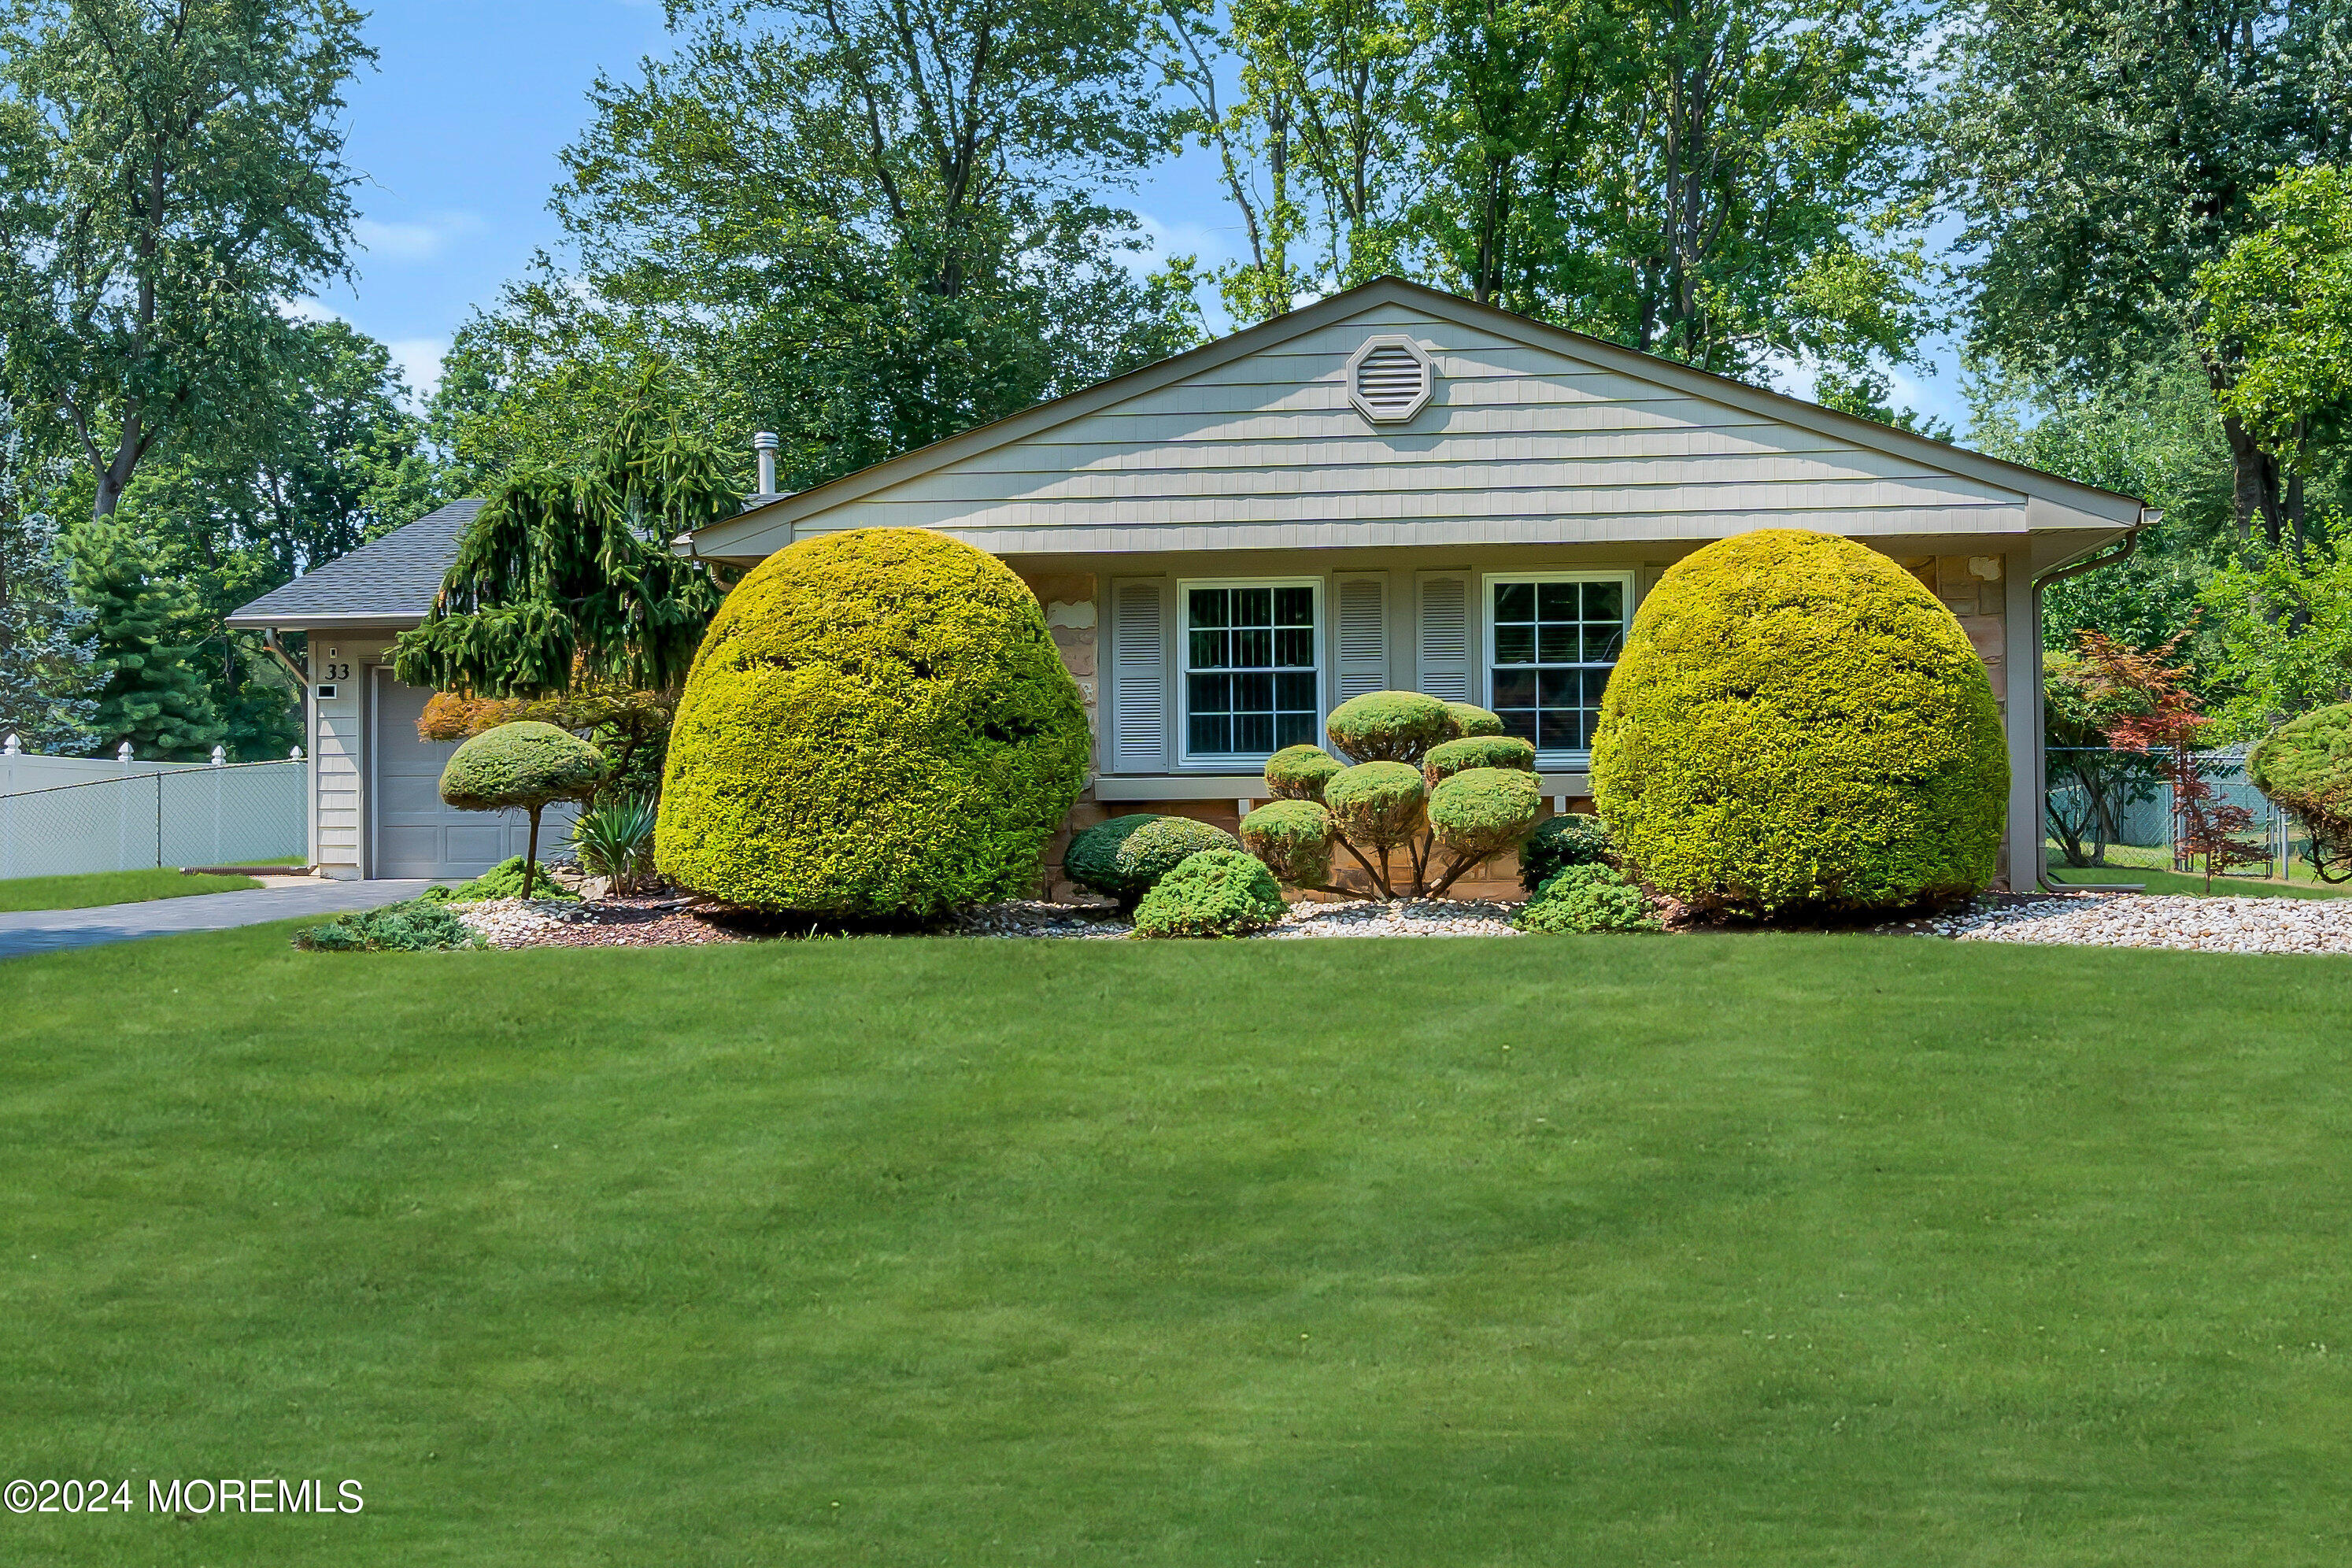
(52, 931)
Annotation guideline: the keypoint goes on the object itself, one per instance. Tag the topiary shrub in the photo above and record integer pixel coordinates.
(1293, 837)
(1795, 721)
(1469, 718)
(1378, 806)
(1588, 898)
(2304, 766)
(525, 766)
(1477, 814)
(1217, 892)
(1123, 857)
(876, 727)
(415, 926)
(1559, 842)
(1478, 752)
(1299, 772)
(1388, 727)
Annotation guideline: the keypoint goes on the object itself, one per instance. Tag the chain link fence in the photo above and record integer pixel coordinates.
(227, 814)
(2101, 799)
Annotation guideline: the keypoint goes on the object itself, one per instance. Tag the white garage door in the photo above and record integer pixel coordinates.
(415, 835)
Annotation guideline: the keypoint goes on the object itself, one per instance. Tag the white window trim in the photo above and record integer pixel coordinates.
(1182, 707)
(1556, 761)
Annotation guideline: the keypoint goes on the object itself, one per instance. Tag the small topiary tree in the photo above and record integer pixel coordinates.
(525, 766)
(1293, 837)
(1125, 857)
(1796, 722)
(1217, 892)
(1405, 747)
(877, 726)
(2305, 767)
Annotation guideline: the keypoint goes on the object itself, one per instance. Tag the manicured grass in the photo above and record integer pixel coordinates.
(2192, 884)
(96, 888)
(1725, 1251)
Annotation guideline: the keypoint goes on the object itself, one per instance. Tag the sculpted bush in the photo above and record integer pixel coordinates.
(1217, 892)
(1293, 837)
(2305, 767)
(1796, 722)
(878, 726)
(525, 766)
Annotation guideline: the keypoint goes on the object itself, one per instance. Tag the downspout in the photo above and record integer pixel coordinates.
(2116, 555)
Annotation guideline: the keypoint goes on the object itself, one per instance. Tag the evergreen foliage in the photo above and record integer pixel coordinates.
(1795, 721)
(524, 767)
(1214, 892)
(1293, 837)
(1125, 857)
(416, 926)
(1583, 899)
(1299, 772)
(1558, 841)
(148, 635)
(2305, 767)
(877, 726)
(1478, 751)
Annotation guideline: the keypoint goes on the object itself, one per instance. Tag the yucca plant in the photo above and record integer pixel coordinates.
(615, 841)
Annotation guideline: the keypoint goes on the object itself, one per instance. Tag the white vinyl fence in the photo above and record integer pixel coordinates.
(63, 816)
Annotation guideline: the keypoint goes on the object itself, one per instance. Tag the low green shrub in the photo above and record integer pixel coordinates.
(2305, 767)
(1299, 772)
(1217, 892)
(1293, 837)
(1584, 899)
(1559, 842)
(503, 880)
(1126, 857)
(1478, 752)
(416, 926)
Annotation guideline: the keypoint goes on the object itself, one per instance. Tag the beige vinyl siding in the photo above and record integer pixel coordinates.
(339, 755)
(1521, 445)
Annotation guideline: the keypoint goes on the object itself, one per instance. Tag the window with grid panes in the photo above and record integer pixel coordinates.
(1250, 669)
(1555, 644)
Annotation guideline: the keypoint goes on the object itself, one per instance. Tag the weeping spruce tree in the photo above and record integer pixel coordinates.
(567, 571)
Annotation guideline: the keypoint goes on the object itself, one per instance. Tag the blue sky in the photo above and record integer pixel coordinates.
(457, 132)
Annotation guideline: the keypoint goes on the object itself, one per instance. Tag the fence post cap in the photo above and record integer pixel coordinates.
(14, 746)
(122, 753)
(220, 756)
(295, 755)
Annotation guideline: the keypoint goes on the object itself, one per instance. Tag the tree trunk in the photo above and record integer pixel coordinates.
(2255, 489)
(530, 858)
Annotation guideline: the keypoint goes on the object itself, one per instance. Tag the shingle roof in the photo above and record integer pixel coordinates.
(390, 582)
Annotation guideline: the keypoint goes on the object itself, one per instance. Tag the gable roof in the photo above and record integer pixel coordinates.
(1155, 484)
(388, 583)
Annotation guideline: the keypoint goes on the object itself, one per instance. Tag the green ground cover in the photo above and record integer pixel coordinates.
(94, 888)
(1712, 1250)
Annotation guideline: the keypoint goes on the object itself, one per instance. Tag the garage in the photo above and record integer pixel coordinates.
(415, 834)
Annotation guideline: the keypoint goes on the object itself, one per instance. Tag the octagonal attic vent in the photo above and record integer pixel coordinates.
(1390, 378)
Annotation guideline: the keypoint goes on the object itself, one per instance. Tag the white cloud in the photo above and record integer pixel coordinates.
(420, 360)
(416, 241)
(309, 311)
(1161, 240)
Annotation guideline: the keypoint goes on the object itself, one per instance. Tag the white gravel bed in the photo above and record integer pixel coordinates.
(2138, 919)
(1406, 917)
(511, 923)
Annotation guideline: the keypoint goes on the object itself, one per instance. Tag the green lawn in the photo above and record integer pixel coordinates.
(2153, 867)
(1764, 1250)
(98, 887)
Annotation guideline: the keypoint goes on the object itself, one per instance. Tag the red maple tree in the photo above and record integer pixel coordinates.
(2156, 715)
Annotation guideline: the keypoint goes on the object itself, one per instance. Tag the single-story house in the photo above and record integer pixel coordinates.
(1390, 487)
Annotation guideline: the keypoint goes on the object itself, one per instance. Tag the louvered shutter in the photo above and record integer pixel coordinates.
(1138, 677)
(1444, 629)
(1390, 378)
(1363, 637)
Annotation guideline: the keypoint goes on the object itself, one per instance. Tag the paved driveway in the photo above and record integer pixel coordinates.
(50, 930)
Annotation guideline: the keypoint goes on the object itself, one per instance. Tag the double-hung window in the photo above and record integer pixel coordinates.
(1253, 670)
(1552, 638)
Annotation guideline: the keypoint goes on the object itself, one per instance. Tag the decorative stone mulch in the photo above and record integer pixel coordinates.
(2139, 919)
(610, 923)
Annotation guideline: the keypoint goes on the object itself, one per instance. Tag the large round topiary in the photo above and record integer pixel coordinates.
(876, 726)
(1218, 892)
(2304, 766)
(1122, 858)
(524, 767)
(1294, 838)
(1796, 722)
(1390, 726)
